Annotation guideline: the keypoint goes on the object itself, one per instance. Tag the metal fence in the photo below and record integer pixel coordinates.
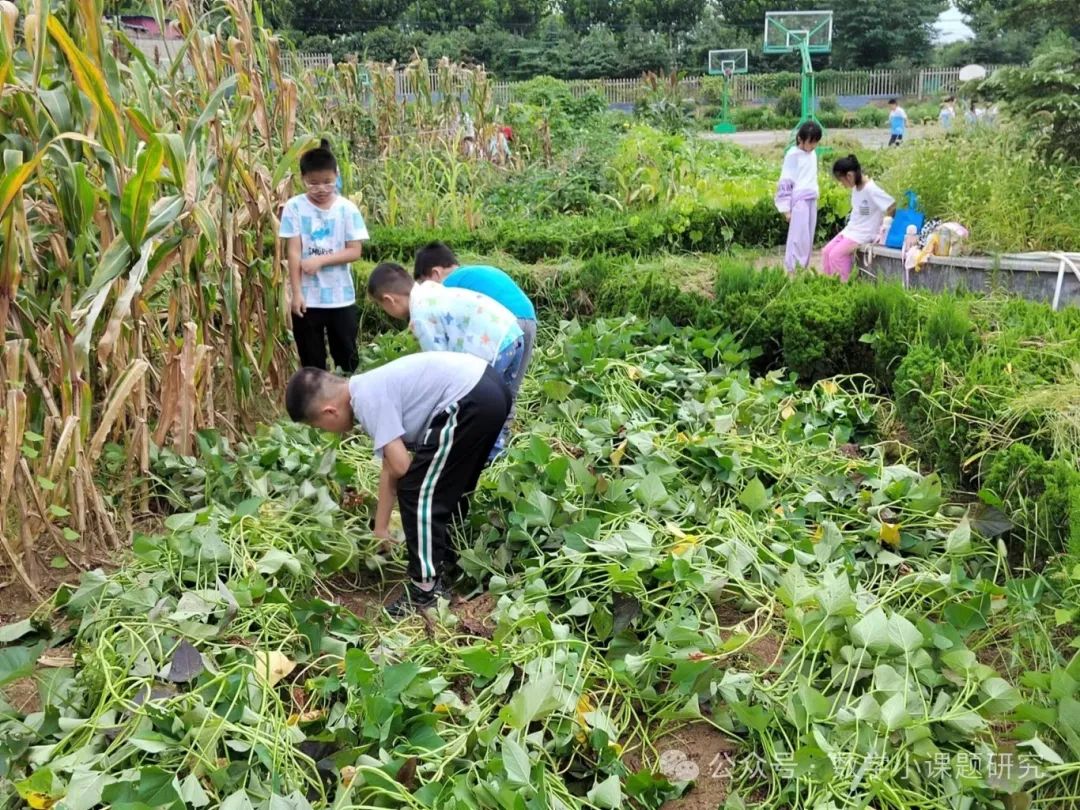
(917, 83)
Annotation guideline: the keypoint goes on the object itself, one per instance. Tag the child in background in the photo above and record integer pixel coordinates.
(947, 114)
(449, 319)
(897, 122)
(324, 233)
(447, 410)
(797, 195)
(437, 262)
(869, 206)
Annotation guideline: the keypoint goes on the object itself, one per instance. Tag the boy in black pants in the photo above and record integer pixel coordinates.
(323, 232)
(447, 409)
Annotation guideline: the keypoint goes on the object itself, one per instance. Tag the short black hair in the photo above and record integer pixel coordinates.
(319, 159)
(893, 101)
(810, 132)
(306, 387)
(430, 256)
(389, 277)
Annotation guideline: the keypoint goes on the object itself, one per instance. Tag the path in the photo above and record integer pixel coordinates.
(779, 137)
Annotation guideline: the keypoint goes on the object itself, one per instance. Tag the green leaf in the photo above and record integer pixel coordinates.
(139, 192)
(191, 791)
(607, 794)
(237, 801)
(516, 763)
(18, 662)
(754, 496)
(1042, 750)
(531, 702)
(959, 539)
(1002, 696)
(181, 521)
(84, 790)
(396, 679)
(59, 562)
(15, 631)
(894, 713)
(276, 559)
(651, 491)
(70, 535)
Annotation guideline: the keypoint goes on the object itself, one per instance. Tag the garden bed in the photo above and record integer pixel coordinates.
(1037, 277)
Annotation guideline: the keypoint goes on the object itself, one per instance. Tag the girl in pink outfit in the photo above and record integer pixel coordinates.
(797, 196)
(869, 206)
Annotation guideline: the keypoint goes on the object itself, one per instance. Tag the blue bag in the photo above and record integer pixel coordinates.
(904, 217)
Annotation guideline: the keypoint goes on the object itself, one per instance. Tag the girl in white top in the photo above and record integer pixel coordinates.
(869, 206)
(797, 196)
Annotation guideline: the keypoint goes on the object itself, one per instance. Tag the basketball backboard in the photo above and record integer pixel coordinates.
(786, 31)
(728, 62)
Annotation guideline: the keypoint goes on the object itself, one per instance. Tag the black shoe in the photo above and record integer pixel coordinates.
(415, 599)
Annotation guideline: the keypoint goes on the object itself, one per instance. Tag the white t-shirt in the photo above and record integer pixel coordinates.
(801, 168)
(321, 232)
(898, 120)
(868, 207)
(398, 400)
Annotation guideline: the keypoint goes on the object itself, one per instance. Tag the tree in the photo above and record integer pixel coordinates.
(668, 16)
(443, 15)
(583, 14)
(341, 16)
(597, 54)
(520, 16)
(878, 32)
(1044, 98)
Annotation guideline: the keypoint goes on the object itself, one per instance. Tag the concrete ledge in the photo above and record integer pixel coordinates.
(1035, 277)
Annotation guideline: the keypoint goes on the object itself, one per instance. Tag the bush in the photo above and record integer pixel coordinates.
(789, 104)
(871, 117)
(831, 120)
(828, 104)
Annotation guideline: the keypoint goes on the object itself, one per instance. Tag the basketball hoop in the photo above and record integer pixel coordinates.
(729, 71)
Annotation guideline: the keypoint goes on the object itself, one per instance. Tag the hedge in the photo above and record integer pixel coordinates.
(951, 362)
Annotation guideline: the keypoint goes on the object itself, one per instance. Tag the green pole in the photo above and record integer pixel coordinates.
(724, 125)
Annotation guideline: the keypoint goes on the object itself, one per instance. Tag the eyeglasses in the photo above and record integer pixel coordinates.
(320, 186)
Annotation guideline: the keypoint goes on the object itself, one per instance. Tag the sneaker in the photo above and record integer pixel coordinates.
(414, 599)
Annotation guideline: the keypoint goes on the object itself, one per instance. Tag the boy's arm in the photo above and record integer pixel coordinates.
(293, 252)
(347, 255)
(395, 464)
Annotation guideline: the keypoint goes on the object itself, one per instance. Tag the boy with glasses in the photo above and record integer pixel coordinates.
(323, 232)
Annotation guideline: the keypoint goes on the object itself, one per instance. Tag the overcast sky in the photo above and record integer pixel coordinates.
(951, 27)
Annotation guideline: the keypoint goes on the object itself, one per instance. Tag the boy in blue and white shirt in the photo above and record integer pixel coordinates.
(324, 233)
(897, 122)
(437, 262)
(448, 319)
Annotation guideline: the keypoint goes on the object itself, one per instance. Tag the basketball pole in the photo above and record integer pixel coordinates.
(724, 125)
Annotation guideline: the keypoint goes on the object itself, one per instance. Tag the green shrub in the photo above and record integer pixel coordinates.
(828, 104)
(1046, 492)
(831, 120)
(789, 104)
(872, 117)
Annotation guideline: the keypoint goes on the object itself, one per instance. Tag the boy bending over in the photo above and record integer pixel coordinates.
(447, 319)
(446, 409)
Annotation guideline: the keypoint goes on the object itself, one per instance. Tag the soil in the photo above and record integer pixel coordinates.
(475, 614)
(697, 752)
(764, 652)
(23, 695)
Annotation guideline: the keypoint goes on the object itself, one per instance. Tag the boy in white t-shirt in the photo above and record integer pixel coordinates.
(897, 122)
(869, 206)
(323, 232)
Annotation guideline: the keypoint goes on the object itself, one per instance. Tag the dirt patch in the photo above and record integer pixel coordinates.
(23, 696)
(364, 602)
(696, 753)
(764, 651)
(475, 614)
